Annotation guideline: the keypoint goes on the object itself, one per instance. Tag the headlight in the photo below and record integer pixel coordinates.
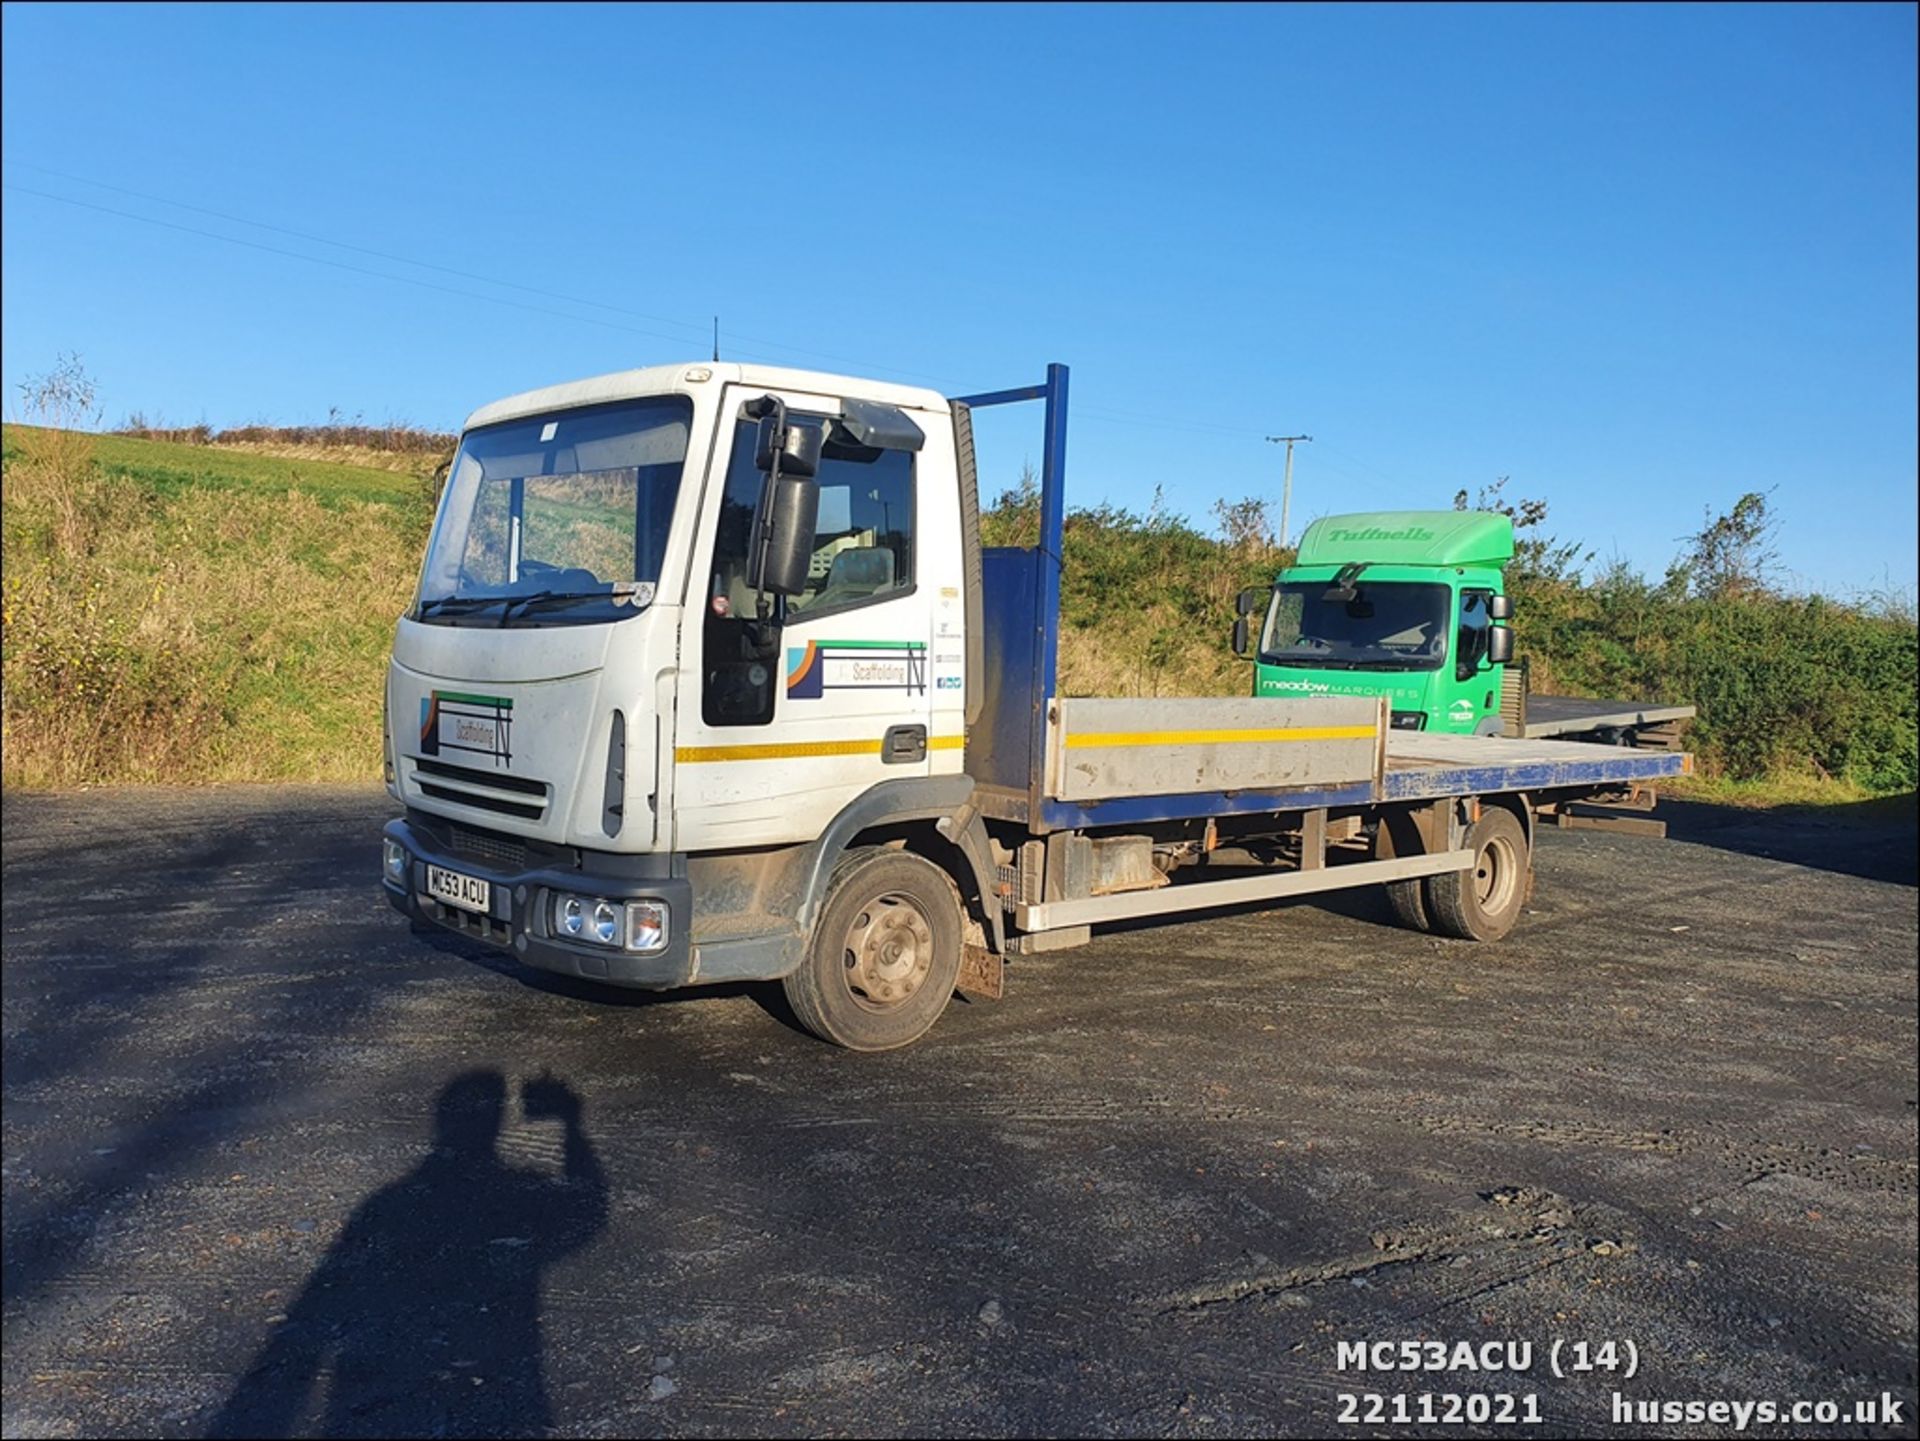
(606, 923)
(630, 925)
(646, 925)
(393, 858)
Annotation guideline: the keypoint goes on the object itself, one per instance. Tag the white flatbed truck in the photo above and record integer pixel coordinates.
(709, 679)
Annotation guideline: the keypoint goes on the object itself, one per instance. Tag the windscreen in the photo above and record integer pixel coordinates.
(1385, 625)
(558, 518)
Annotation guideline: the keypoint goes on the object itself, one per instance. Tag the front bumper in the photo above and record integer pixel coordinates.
(519, 905)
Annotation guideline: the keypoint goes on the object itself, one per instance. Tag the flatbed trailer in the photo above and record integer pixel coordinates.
(1362, 803)
(1608, 722)
(814, 733)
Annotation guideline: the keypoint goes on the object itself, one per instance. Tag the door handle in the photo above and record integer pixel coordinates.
(903, 745)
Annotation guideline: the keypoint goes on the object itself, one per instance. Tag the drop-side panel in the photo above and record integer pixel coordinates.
(1109, 748)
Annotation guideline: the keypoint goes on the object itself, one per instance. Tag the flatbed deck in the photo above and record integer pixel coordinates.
(1420, 765)
(1417, 767)
(1553, 715)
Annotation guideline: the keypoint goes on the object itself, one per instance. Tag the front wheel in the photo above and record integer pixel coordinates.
(884, 954)
(1482, 902)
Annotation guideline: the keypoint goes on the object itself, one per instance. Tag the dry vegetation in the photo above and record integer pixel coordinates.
(172, 616)
(396, 446)
(207, 611)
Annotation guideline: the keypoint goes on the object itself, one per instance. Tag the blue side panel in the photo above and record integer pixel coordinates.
(1425, 782)
(1000, 746)
(1138, 810)
(1422, 782)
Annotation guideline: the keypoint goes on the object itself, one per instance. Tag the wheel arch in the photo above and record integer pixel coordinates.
(928, 815)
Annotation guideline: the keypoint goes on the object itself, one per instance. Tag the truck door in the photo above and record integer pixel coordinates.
(780, 725)
(1476, 691)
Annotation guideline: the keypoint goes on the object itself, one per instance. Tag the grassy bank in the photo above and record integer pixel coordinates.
(179, 613)
(1802, 700)
(194, 612)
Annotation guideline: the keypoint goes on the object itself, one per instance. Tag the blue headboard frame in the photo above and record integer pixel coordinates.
(1020, 609)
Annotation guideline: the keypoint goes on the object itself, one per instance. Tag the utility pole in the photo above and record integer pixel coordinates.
(1286, 489)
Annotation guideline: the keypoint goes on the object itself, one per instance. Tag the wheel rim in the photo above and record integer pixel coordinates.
(1495, 875)
(888, 952)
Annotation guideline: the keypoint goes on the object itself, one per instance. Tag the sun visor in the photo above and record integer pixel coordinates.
(879, 427)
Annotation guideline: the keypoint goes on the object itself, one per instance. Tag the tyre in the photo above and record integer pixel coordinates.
(1482, 902)
(884, 954)
(1409, 902)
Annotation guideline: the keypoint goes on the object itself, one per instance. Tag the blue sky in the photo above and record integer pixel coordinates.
(1640, 259)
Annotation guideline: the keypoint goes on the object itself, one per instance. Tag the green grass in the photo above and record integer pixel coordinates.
(1788, 792)
(177, 613)
(166, 469)
(184, 613)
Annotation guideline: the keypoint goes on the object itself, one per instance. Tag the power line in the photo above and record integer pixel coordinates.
(344, 244)
(696, 327)
(759, 345)
(340, 264)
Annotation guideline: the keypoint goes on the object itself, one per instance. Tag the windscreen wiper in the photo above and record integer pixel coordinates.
(460, 604)
(551, 599)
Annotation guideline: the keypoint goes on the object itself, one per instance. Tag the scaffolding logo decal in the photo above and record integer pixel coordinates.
(824, 665)
(477, 724)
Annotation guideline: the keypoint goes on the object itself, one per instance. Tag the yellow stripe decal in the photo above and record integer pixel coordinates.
(797, 750)
(1100, 740)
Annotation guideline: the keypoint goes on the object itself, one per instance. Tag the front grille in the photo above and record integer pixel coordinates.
(497, 780)
(448, 782)
(484, 803)
(482, 845)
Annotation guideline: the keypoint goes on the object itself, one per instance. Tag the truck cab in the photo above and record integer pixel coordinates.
(595, 682)
(1402, 604)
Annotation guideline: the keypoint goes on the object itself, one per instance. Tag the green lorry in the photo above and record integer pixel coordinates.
(1410, 605)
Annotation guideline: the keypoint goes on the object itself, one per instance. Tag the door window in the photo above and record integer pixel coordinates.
(863, 553)
(1476, 621)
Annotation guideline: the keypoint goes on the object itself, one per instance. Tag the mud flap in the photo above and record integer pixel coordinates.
(983, 975)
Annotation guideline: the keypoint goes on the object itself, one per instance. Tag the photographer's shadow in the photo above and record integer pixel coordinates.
(424, 1317)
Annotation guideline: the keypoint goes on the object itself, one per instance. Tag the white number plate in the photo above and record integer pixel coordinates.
(470, 893)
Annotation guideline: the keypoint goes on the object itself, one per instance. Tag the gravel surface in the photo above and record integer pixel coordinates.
(274, 1165)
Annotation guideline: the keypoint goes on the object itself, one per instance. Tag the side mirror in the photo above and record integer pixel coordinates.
(1499, 644)
(1500, 607)
(789, 453)
(1242, 638)
(1250, 600)
(789, 507)
(797, 445)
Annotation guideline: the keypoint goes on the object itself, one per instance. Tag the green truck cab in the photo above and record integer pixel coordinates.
(1412, 605)
(1405, 604)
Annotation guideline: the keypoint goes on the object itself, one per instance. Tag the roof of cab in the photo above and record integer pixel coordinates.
(1409, 537)
(691, 377)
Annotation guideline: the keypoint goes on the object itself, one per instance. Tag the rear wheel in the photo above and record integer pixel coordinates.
(884, 954)
(1482, 902)
(1409, 902)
